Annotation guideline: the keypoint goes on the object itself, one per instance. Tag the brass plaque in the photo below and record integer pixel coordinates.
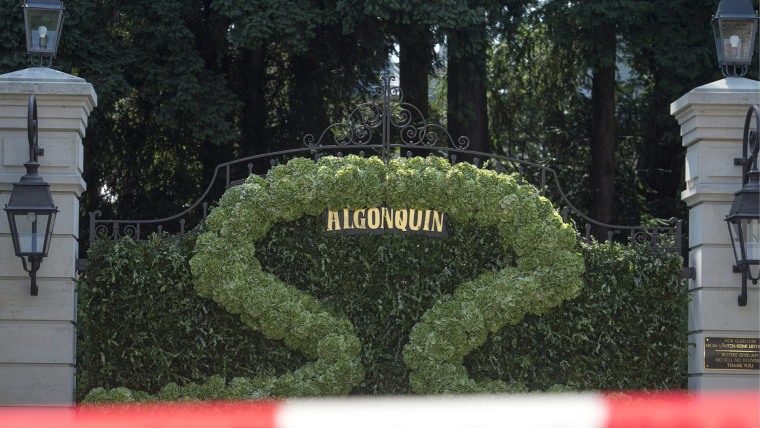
(732, 353)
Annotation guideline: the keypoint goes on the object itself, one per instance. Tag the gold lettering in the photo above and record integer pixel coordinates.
(333, 221)
(347, 219)
(401, 218)
(415, 225)
(398, 220)
(387, 218)
(359, 218)
(374, 219)
(437, 221)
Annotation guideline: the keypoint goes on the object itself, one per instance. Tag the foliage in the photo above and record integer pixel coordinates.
(142, 324)
(540, 101)
(12, 45)
(540, 111)
(626, 331)
(185, 85)
(226, 269)
(348, 275)
(670, 52)
(545, 272)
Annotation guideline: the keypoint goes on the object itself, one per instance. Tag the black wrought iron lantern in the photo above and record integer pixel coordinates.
(31, 212)
(43, 21)
(735, 28)
(744, 217)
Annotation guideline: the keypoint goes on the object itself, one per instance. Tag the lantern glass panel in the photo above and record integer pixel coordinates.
(745, 234)
(31, 229)
(735, 40)
(42, 30)
(753, 246)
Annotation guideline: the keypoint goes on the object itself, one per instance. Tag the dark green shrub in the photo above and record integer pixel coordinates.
(144, 349)
(626, 331)
(143, 326)
(378, 314)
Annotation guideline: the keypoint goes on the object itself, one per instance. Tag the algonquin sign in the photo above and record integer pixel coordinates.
(387, 220)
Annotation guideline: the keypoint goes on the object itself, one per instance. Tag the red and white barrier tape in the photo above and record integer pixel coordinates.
(730, 410)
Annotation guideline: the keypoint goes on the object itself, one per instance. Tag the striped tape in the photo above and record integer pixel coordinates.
(730, 410)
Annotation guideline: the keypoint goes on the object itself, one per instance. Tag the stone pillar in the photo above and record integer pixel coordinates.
(712, 123)
(38, 333)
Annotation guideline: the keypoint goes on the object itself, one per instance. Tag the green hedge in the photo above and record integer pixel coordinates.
(626, 331)
(142, 325)
(544, 270)
(378, 313)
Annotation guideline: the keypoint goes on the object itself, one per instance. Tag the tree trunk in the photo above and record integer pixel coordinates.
(661, 162)
(415, 56)
(602, 174)
(211, 39)
(307, 107)
(253, 120)
(466, 89)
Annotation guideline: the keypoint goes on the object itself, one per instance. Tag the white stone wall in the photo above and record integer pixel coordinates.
(37, 333)
(712, 122)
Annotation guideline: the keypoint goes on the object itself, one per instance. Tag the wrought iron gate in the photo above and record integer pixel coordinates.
(387, 127)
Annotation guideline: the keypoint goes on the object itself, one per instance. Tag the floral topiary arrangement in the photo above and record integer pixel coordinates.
(547, 269)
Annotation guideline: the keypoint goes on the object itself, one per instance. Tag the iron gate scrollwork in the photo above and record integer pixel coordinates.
(386, 112)
(387, 127)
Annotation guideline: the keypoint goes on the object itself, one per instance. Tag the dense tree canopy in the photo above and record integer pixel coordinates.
(184, 85)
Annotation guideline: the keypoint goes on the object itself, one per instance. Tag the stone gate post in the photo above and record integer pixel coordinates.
(712, 122)
(38, 333)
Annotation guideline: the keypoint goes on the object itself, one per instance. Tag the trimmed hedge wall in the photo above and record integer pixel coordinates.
(143, 326)
(626, 331)
(377, 314)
